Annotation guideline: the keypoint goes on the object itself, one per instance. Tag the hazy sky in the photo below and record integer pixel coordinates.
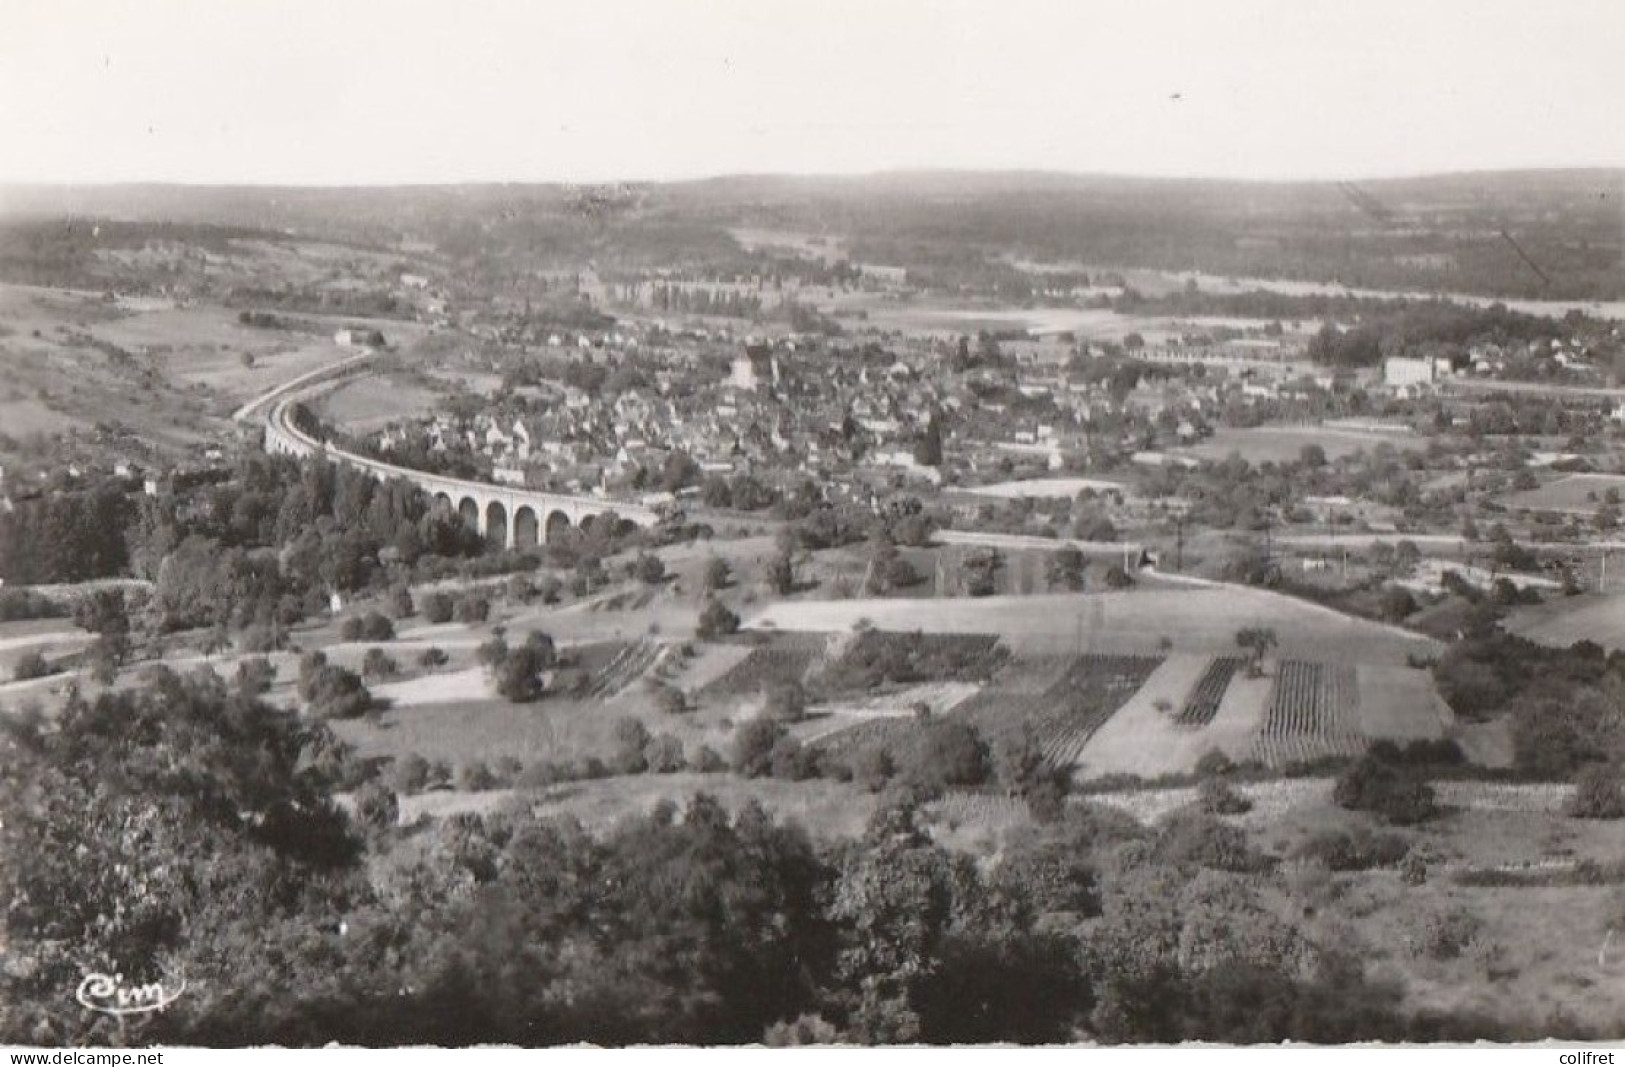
(339, 91)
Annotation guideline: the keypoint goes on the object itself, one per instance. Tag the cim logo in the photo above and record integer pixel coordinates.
(107, 993)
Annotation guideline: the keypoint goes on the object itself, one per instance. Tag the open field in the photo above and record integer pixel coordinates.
(164, 374)
(555, 729)
(828, 810)
(761, 667)
(1143, 738)
(1562, 621)
(51, 638)
(1280, 444)
(469, 684)
(1194, 618)
(1574, 493)
(1063, 718)
(1236, 725)
(373, 401)
(1400, 702)
(1045, 488)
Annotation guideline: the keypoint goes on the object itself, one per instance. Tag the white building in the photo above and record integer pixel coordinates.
(1399, 372)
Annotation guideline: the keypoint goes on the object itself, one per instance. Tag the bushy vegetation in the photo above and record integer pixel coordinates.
(716, 620)
(1394, 792)
(1560, 701)
(373, 626)
(1599, 793)
(1359, 849)
(31, 665)
(687, 923)
(17, 605)
(879, 658)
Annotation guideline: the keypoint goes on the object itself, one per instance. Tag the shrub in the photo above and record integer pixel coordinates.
(310, 665)
(471, 608)
(507, 770)
(400, 602)
(716, 621)
(373, 626)
(805, 1030)
(648, 569)
(786, 701)
(542, 775)
(1118, 578)
(664, 754)
(1197, 839)
(1356, 850)
(438, 607)
(708, 760)
(377, 665)
(949, 753)
(875, 769)
(337, 693)
(1598, 793)
(1397, 603)
(753, 747)
(31, 665)
(518, 674)
(1218, 797)
(1445, 936)
(376, 806)
(667, 697)
(631, 738)
(1214, 764)
(1395, 793)
(262, 637)
(541, 642)
(255, 676)
(432, 657)
(475, 777)
(411, 774)
(492, 652)
(19, 604)
(792, 761)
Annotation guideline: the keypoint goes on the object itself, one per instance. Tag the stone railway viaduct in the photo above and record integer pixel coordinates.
(517, 518)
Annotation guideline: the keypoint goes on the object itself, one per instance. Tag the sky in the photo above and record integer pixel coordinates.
(338, 92)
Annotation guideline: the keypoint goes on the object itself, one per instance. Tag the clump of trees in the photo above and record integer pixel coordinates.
(373, 626)
(716, 620)
(330, 691)
(1392, 791)
(519, 673)
(1599, 793)
(31, 665)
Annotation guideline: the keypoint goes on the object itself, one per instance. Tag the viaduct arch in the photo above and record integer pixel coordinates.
(511, 517)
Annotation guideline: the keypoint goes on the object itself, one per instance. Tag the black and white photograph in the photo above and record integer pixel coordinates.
(659, 524)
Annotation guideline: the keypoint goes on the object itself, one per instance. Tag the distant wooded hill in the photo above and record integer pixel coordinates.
(1531, 234)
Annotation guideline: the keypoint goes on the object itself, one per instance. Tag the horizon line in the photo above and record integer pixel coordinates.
(853, 175)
